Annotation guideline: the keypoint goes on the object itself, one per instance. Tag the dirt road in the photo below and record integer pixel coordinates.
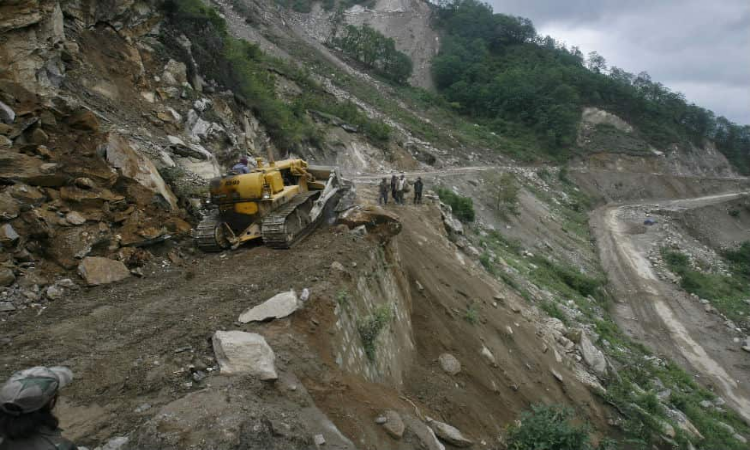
(660, 314)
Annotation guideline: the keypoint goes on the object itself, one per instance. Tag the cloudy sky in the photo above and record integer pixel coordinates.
(698, 47)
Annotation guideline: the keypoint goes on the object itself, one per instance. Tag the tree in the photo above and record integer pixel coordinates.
(596, 62)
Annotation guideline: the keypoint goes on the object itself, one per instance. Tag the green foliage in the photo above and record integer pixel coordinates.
(506, 194)
(554, 310)
(572, 278)
(250, 74)
(342, 297)
(472, 315)
(371, 326)
(496, 69)
(374, 50)
(727, 293)
(463, 207)
(548, 427)
(484, 260)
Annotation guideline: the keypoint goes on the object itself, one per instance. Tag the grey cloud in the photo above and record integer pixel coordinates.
(698, 47)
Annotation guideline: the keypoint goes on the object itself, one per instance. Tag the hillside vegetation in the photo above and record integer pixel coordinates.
(498, 70)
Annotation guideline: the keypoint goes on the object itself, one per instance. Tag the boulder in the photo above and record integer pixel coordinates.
(393, 424)
(8, 236)
(277, 307)
(240, 353)
(72, 244)
(449, 364)
(7, 115)
(7, 277)
(134, 166)
(97, 271)
(593, 356)
(426, 436)
(175, 73)
(684, 423)
(376, 220)
(452, 224)
(84, 120)
(7, 307)
(8, 206)
(449, 434)
(488, 356)
(74, 218)
(88, 197)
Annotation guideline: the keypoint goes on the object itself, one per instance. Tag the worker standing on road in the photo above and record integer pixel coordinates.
(394, 183)
(383, 197)
(26, 403)
(418, 191)
(241, 167)
(400, 189)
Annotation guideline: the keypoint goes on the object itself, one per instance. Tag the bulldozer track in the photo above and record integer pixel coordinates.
(205, 234)
(286, 226)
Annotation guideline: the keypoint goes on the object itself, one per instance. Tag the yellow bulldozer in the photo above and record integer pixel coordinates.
(279, 202)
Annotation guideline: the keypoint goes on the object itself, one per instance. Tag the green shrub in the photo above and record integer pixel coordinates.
(506, 194)
(554, 310)
(472, 315)
(484, 260)
(342, 297)
(548, 427)
(371, 326)
(463, 207)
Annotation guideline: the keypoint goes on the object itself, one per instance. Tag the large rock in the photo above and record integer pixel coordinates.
(7, 115)
(84, 120)
(684, 423)
(7, 277)
(175, 73)
(424, 433)
(394, 425)
(449, 434)
(8, 235)
(593, 356)
(134, 166)
(97, 271)
(449, 364)
(376, 220)
(19, 167)
(240, 353)
(8, 206)
(89, 197)
(72, 244)
(452, 224)
(277, 307)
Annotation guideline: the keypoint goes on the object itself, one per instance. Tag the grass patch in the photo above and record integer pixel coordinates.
(554, 310)
(463, 207)
(472, 315)
(549, 427)
(370, 327)
(727, 293)
(343, 298)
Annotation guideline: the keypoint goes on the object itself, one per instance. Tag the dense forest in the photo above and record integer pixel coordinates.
(498, 70)
(370, 47)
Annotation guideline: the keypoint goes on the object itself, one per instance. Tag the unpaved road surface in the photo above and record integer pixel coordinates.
(660, 314)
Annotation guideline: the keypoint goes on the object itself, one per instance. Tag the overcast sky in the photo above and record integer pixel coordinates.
(698, 47)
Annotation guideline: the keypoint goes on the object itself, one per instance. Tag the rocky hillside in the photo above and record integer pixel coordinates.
(430, 326)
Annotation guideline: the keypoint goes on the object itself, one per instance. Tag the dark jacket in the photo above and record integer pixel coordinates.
(383, 188)
(418, 187)
(394, 180)
(46, 439)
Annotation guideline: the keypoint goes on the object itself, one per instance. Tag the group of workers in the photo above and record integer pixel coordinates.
(398, 187)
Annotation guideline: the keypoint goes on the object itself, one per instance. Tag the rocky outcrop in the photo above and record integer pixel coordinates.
(449, 434)
(240, 353)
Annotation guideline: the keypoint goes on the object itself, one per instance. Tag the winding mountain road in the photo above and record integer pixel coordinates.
(660, 314)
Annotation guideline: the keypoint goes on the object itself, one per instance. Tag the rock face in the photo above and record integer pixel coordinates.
(424, 433)
(241, 353)
(97, 271)
(449, 434)
(6, 277)
(277, 307)
(593, 356)
(131, 164)
(449, 364)
(376, 220)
